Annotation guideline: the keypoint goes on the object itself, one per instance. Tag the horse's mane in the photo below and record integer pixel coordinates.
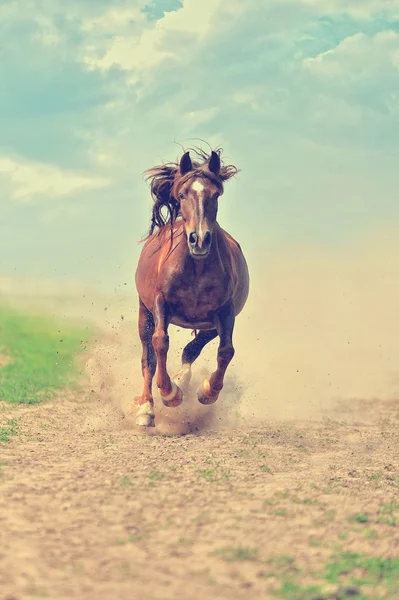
(165, 178)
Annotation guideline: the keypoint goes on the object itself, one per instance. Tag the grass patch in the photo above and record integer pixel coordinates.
(265, 469)
(238, 553)
(358, 570)
(293, 591)
(10, 429)
(126, 482)
(359, 518)
(280, 512)
(214, 474)
(42, 356)
(156, 476)
(387, 513)
(345, 575)
(185, 541)
(132, 539)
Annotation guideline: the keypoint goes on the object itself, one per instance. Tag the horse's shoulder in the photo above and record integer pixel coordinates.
(232, 242)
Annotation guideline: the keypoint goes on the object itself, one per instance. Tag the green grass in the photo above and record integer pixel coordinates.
(265, 469)
(293, 591)
(132, 539)
(126, 482)
(237, 553)
(360, 518)
(388, 513)
(156, 476)
(10, 429)
(348, 573)
(215, 475)
(42, 356)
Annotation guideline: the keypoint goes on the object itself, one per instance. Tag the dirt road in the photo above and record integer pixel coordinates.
(89, 508)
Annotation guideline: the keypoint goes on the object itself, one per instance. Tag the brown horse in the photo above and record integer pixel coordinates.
(191, 273)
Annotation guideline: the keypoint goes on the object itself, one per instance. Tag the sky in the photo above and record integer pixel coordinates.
(303, 96)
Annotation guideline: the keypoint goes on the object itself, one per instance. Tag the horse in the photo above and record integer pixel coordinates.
(191, 274)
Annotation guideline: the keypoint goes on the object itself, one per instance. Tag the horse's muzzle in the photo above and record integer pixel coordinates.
(199, 245)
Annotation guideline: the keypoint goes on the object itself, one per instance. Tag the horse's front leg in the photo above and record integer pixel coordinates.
(210, 389)
(145, 413)
(171, 394)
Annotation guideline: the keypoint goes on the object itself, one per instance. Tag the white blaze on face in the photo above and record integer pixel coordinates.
(199, 188)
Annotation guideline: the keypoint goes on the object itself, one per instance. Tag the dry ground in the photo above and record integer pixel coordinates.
(90, 508)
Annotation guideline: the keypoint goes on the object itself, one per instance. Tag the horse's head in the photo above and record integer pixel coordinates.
(190, 189)
(197, 191)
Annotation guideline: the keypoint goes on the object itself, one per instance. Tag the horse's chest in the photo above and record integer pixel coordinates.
(195, 298)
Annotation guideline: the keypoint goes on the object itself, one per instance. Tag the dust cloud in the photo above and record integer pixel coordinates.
(114, 375)
(320, 326)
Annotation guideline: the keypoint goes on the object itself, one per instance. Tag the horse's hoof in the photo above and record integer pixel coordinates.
(174, 398)
(145, 414)
(145, 420)
(204, 393)
(183, 377)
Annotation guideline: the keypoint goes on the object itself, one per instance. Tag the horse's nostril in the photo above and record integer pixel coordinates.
(192, 238)
(207, 239)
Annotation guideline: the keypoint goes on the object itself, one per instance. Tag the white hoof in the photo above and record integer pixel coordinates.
(145, 420)
(145, 415)
(183, 377)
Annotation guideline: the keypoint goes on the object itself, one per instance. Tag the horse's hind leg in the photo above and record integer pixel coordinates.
(145, 414)
(190, 353)
(210, 388)
(171, 394)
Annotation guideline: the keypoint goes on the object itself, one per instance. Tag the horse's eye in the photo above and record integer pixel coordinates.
(181, 196)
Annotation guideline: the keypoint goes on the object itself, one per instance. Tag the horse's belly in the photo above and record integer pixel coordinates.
(191, 324)
(194, 314)
(195, 307)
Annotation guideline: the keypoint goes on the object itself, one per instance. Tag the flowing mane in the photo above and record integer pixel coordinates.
(165, 178)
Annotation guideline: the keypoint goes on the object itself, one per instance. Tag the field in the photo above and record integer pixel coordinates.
(302, 509)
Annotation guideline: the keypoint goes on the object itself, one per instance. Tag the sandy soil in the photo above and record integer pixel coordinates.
(92, 508)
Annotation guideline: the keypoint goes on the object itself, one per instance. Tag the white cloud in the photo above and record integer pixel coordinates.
(358, 56)
(118, 19)
(196, 117)
(264, 98)
(250, 96)
(107, 152)
(31, 179)
(47, 33)
(360, 9)
(159, 41)
(130, 53)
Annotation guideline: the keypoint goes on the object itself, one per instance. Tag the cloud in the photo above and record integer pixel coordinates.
(47, 33)
(171, 37)
(198, 117)
(28, 180)
(356, 82)
(359, 9)
(358, 56)
(118, 18)
(184, 105)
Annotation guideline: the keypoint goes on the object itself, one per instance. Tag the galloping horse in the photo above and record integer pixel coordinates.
(191, 273)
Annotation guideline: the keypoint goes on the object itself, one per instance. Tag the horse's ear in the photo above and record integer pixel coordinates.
(214, 163)
(185, 163)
